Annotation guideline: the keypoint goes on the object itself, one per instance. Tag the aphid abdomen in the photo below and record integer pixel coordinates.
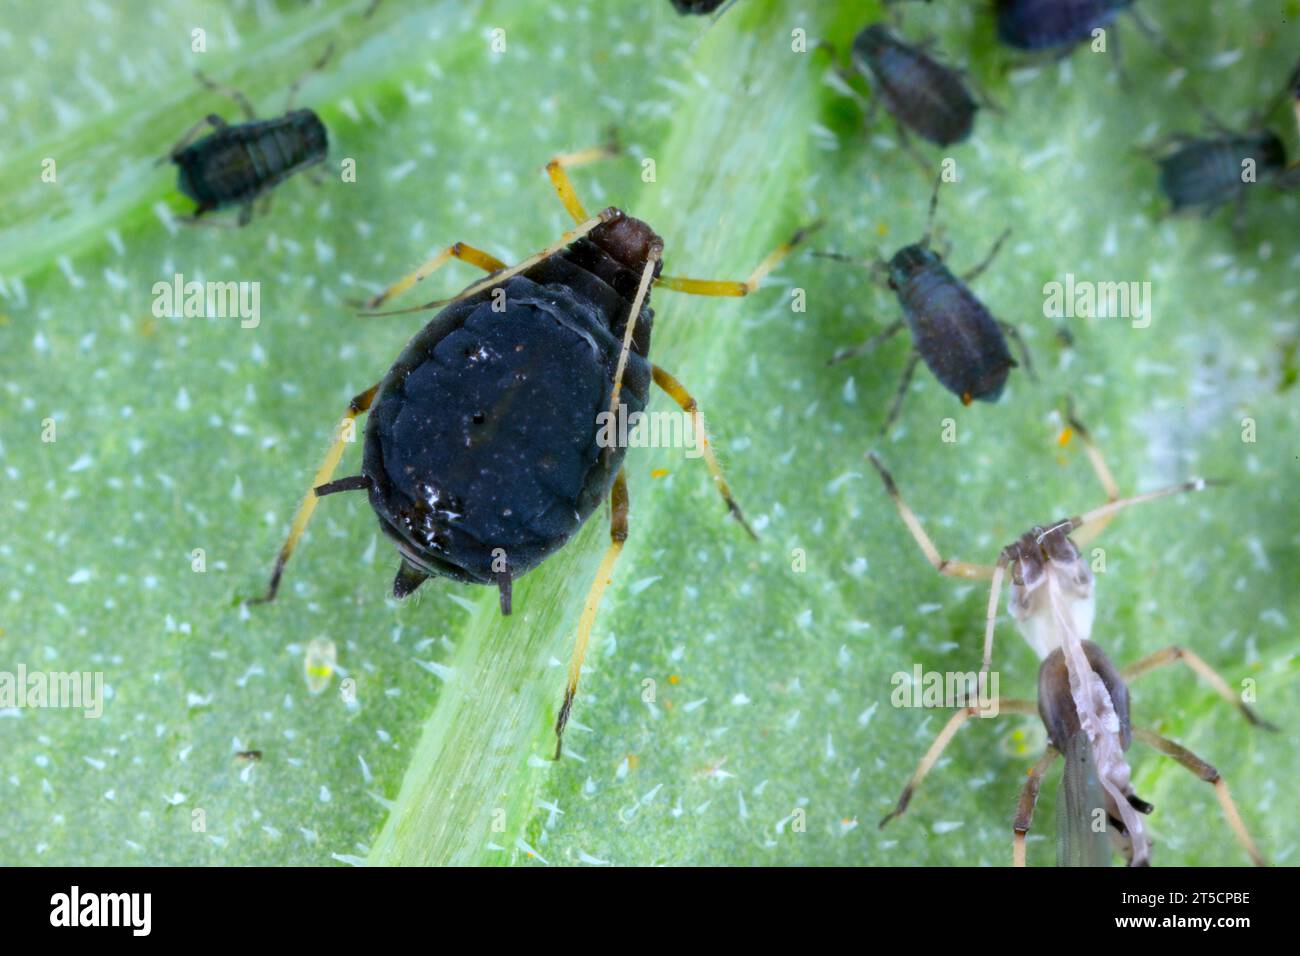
(1056, 707)
(958, 339)
(483, 443)
(922, 94)
(1043, 24)
(237, 163)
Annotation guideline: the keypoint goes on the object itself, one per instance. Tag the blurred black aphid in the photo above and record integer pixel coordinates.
(1036, 25)
(1202, 173)
(956, 336)
(698, 6)
(920, 93)
(485, 449)
(236, 164)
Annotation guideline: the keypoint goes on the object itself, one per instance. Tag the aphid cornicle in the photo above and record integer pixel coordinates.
(952, 332)
(483, 452)
(236, 164)
(1080, 692)
(922, 94)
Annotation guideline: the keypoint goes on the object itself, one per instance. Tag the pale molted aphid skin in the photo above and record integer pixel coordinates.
(1082, 696)
(1053, 603)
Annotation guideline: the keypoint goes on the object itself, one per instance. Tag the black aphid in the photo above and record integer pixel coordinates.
(920, 93)
(484, 449)
(1206, 172)
(1045, 24)
(237, 163)
(956, 336)
(697, 6)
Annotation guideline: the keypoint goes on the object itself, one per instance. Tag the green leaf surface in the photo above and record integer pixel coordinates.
(770, 738)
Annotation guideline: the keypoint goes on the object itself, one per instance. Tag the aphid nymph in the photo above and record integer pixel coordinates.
(952, 332)
(1202, 173)
(923, 95)
(236, 164)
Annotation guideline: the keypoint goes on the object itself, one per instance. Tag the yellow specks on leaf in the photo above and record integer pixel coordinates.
(659, 473)
(1066, 434)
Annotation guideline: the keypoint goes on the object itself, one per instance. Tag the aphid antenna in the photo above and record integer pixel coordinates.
(1157, 38)
(316, 67)
(1290, 91)
(877, 265)
(240, 99)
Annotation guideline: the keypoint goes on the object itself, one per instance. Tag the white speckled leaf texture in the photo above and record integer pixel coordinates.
(736, 705)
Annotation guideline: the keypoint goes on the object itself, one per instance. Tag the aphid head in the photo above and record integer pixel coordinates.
(314, 137)
(909, 262)
(868, 44)
(1051, 587)
(628, 241)
(1269, 150)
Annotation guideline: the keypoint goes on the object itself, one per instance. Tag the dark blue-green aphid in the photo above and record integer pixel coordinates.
(1045, 24)
(697, 6)
(481, 442)
(924, 95)
(1204, 173)
(237, 163)
(952, 331)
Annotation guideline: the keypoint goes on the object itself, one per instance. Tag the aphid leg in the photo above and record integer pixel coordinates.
(618, 504)
(991, 618)
(940, 742)
(457, 250)
(976, 272)
(1211, 776)
(1239, 216)
(196, 219)
(897, 405)
(564, 186)
(302, 77)
(1158, 39)
(1117, 50)
(929, 216)
(683, 398)
(460, 250)
(723, 287)
(954, 569)
(230, 91)
(1028, 800)
(870, 345)
(320, 485)
(909, 147)
(1013, 334)
(212, 119)
(1179, 655)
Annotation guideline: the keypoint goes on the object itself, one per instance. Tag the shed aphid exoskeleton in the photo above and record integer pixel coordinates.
(1079, 690)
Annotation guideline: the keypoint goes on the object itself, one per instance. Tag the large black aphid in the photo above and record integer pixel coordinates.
(483, 450)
